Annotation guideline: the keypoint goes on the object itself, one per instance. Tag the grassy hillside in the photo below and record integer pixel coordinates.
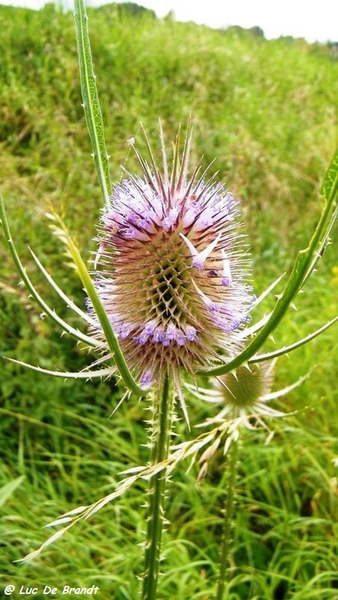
(266, 111)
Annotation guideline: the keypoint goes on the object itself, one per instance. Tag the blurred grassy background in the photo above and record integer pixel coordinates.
(267, 112)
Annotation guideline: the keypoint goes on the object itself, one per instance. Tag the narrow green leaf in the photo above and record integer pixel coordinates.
(7, 490)
(330, 184)
(69, 302)
(288, 349)
(101, 373)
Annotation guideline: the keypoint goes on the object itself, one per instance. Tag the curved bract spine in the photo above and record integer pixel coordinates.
(81, 337)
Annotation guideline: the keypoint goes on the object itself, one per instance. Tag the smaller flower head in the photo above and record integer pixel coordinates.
(243, 394)
(246, 387)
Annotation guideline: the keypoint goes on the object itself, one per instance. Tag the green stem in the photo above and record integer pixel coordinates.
(91, 104)
(229, 504)
(161, 427)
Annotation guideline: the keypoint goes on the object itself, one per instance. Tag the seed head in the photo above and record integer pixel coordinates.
(244, 388)
(171, 267)
(243, 396)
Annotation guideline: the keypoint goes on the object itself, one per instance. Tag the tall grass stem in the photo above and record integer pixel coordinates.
(227, 524)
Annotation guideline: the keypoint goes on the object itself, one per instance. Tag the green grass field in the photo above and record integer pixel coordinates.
(266, 111)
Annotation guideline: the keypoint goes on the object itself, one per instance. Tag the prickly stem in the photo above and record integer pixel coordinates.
(229, 504)
(162, 411)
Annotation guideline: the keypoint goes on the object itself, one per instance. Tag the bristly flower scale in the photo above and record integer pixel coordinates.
(171, 267)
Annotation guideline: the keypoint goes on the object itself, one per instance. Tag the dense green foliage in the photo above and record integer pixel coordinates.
(266, 111)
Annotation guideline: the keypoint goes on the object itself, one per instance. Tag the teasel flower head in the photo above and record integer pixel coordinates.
(248, 385)
(172, 267)
(243, 395)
